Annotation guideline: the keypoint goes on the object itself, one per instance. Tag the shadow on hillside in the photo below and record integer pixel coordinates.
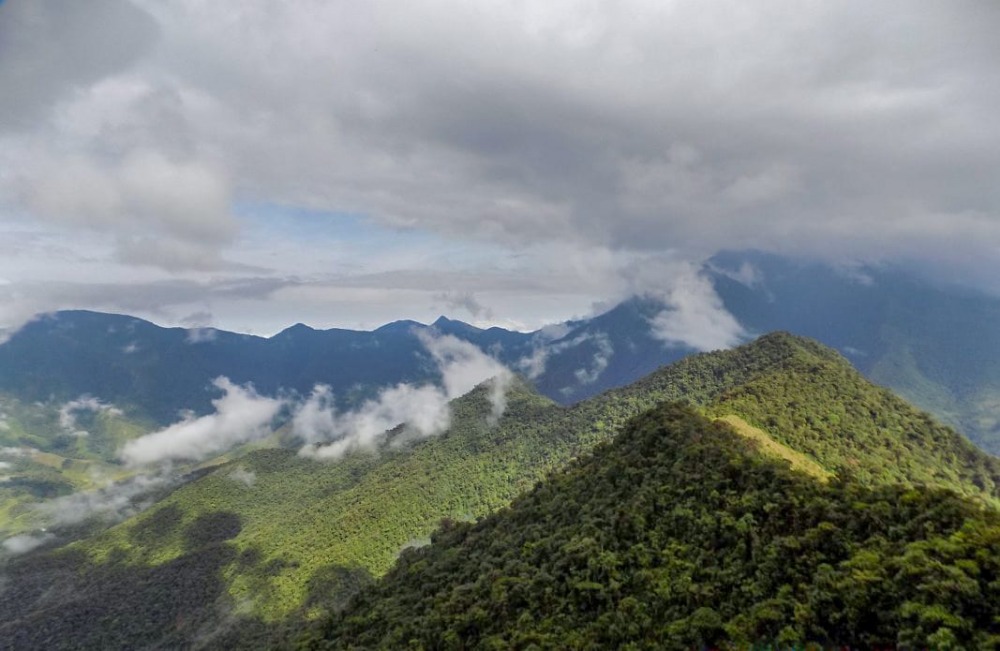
(59, 600)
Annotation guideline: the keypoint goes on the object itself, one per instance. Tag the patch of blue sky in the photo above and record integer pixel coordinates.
(359, 237)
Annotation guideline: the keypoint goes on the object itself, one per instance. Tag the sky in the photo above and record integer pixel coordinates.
(248, 165)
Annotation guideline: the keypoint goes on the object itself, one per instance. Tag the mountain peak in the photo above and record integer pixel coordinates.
(403, 325)
(451, 326)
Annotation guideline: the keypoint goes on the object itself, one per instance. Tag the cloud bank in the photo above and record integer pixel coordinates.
(573, 132)
(114, 502)
(423, 410)
(695, 316)
(24, 543)
(241, 415)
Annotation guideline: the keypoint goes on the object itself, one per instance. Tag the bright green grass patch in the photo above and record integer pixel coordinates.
(772, 448)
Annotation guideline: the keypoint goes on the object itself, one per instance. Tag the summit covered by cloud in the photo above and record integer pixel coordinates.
(352, 164)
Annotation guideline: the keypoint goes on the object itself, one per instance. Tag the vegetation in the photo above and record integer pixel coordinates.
(311, 533)
(42, 458)
(680, 535)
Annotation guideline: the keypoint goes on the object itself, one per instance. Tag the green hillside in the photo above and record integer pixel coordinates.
(679, 534)
(45, 455)
(284, 537)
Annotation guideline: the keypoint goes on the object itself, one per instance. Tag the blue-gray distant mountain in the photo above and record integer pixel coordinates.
(937, 346)
(161, 371)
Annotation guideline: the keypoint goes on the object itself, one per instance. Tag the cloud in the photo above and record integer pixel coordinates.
(241, 415)
(68, 412)
(600, 361)
(162, 212)
(49, 48)
(680, 120)
(113, 502)
(423, 410)
(465, 301)
(695, 316)
(587, 129)
(24, 543)
(461, 364)
(246, 477)
(201, 335)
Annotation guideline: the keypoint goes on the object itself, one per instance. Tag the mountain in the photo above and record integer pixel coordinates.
(607, 351)
(275, 537)
(156, 372)
(936, 345)
(682, 533)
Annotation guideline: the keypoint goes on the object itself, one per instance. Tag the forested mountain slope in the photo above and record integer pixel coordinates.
(936, 345)
(680, 534)
(275, 537)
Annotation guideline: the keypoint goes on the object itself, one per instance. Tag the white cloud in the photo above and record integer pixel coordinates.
(241, 415)
(68, 412)
(424, 410)
(113, 502)
(609, 128)
(201, 335)
(24, 543)
(246, 477)
(695, 316)
(600, 361)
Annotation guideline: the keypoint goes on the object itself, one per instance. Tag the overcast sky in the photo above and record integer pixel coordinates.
(345, 163)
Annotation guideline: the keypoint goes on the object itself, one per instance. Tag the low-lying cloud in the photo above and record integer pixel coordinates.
(113, 502)
(246, 477)
(68, 413)
(241, 415)
(599, 362)
(24, 543)
(695, 316)
(423, 410)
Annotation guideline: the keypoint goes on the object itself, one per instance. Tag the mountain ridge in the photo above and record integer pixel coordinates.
(296, 529)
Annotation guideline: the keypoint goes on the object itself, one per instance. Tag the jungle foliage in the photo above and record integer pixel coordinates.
(680, 535)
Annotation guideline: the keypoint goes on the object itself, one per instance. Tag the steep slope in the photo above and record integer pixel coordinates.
(607, 351)
(679, 534)
(302, 535)
(937, 346)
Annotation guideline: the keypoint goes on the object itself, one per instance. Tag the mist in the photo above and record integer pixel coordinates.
(241, 415)
(423, 410)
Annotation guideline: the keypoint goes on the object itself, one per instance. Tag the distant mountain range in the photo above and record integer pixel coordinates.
(939, 347)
